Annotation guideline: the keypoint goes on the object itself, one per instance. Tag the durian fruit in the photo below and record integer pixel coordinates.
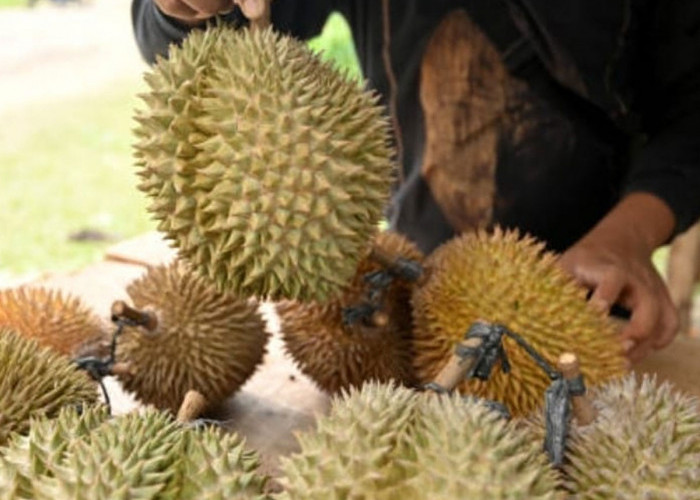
(266, 167)
(205, 340)
(389, 442)
(337, 355)
(54, 319)
(35, 381)
(507, 279)
(644, 443)
(140, 456)
(27, 458)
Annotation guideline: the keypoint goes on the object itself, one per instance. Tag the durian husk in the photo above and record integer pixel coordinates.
(54, 319)
(266, 167)
(138, 455)
(644, 443)
(503, 278)
(205, 340)
(337, 356)
(388, 442)
(36, 381)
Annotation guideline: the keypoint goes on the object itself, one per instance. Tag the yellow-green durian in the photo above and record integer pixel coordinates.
(389, 442)
(644, 443)
(266, 167)
(503, 278)
(337, 355)
(35, 381)
(205, 340)
(27, 458)
(54, 319)
(140, 456)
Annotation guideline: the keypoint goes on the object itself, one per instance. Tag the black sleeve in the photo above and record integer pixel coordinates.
(669, 164)
(155, 31)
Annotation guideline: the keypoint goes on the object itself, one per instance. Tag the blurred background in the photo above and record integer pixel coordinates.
(70, 75)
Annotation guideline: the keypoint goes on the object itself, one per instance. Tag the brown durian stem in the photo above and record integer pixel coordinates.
(583, 409)
(256, 11)
(457, 366)
(145, 318)
(379, 319)
(193, 405)
(391, 262)
(122, 369)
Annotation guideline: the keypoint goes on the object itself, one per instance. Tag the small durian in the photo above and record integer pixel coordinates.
(204, 340)
(506, 279)
(54, 319)
(644, 443)
(389, 442)
(138, 455)
(337, 355)
(266, 167)
(35, 381)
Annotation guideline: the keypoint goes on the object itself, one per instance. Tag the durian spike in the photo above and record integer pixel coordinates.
(193, 405)
(256, 11)
(459, 364)
(147, 319)
(583, 409)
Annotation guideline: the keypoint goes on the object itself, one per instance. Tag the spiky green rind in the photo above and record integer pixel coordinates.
(510, 280)
(336, 355)
(27, 458)
(645, 443)
(388, 442)
(206, 340)
(35, 381)
(266, 167)
(52, 318)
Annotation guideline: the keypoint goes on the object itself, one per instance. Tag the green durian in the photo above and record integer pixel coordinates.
(389, 442)
(35, 381)
(205, 340)
(337, 355)
(503, 278)
(134, 456)
(266, 167)
(54, 319)
(644, 443)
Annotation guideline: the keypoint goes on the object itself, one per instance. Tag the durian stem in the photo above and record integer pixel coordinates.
(583, 409)
(144, 318)
(193, 405)
(379, 319)
(458, 366)
(407, 269)
(257, 12)
(122, 369)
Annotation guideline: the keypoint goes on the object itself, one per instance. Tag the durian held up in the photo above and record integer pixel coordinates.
(503, 278)
(184, 336)
(265, 166)
(36, 381)
(365, 333)
(54, 319)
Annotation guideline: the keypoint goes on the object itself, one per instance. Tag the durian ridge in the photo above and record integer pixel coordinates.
(266, 167)
(505, 278)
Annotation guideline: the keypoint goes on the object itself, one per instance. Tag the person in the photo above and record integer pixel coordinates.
(576, 121)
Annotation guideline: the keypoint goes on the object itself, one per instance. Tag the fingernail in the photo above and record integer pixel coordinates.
(628, 345)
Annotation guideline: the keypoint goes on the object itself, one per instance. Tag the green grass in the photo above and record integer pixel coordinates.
(12, 3)
(67, 166)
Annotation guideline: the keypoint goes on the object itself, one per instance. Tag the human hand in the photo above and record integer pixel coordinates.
(193, 12)
(614, 261)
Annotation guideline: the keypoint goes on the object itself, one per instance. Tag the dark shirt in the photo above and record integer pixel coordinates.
(611, 96)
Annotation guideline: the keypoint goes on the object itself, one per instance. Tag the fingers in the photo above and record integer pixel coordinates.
(194, 10)
(607, 291)
(209, 8)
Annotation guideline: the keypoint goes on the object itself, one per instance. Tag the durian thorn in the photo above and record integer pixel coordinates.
(147, 319)
(256, 11)
(193, 405)
(458, 365)
(122, 369)
(583, 409)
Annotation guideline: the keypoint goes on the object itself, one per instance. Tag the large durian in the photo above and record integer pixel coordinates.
(510, 280)
(145, 456)
(644, 443)
(337, 355)
(389, 442)
(35, 381)
(54, 319)
(267, 167)
(205, 340)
